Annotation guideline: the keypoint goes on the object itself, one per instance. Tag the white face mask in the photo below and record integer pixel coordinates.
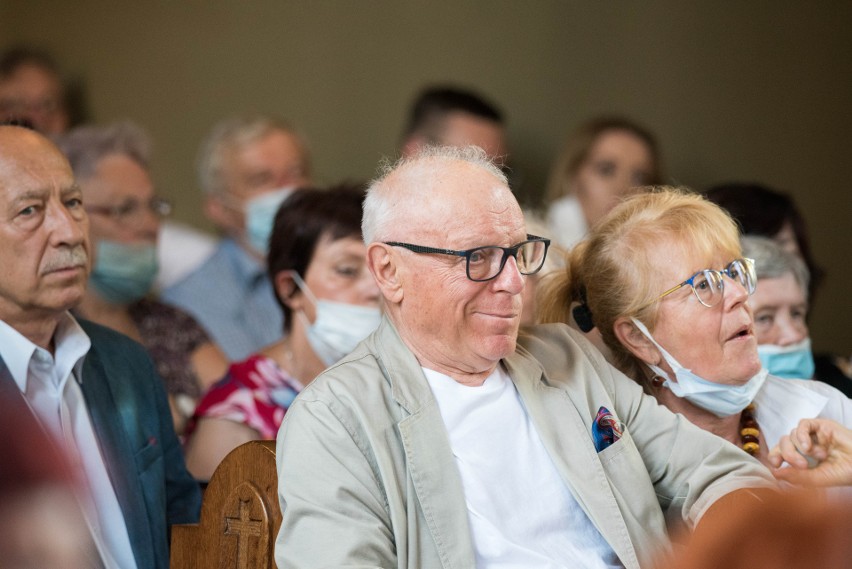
(720, 399)
(338, 326)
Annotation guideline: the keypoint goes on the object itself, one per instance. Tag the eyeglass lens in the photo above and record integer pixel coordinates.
(132, 210)
(709, 285)
(486, 262)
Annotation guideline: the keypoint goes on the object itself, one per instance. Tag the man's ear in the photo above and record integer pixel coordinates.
(632, 338)
(287, 291)
(383, 264)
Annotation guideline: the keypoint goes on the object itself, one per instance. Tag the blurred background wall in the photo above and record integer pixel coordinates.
(755, 91)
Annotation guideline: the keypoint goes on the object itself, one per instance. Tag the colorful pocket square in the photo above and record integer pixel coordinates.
(605, 430)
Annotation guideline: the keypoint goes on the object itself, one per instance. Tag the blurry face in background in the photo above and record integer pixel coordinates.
(617, 161)
(33, 93)
(120, 182)
(463, 129)
(274, 161)
(338, 272)
(780, 308)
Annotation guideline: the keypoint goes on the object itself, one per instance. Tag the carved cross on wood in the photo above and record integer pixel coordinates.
(244, 528)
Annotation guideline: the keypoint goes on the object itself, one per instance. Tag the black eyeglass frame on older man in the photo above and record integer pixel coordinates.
(480, 262)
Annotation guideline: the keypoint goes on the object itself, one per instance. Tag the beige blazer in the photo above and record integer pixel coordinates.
(367, 477)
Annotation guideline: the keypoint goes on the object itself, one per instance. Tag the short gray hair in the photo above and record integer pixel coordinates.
(86, 146)
(772, 261)
(378, 205)
(230, 134)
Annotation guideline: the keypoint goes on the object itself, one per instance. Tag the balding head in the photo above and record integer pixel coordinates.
(20, 145)
(446, 199)
(420, 189)
(43, 235)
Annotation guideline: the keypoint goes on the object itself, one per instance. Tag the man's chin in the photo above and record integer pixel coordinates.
(500, 346)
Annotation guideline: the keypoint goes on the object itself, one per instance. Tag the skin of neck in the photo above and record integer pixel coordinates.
(295, 355)
(465, 376)
(37, 329)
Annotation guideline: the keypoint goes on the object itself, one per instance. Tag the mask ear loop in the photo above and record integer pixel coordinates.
(673, 363)
(303, 286)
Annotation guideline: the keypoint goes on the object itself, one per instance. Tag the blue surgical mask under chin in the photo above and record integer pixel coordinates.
(795, 361)
(260, 217)
(720, 399)
(338, 326)
(123, 273)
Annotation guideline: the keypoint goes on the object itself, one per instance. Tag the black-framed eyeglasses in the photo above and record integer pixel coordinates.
(485, 263)
(708, 286)
(129, 211)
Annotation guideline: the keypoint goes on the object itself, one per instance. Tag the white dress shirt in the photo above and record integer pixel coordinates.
(43, 378)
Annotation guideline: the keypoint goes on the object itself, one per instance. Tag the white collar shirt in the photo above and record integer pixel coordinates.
(43, 379)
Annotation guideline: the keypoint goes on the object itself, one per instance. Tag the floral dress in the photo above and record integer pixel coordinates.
(255, 392)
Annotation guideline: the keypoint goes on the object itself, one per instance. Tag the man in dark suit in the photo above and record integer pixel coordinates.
(92, 389)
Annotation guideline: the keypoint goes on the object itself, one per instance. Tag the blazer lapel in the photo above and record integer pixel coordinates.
(431, 465)
(561, 425)
(109, 423)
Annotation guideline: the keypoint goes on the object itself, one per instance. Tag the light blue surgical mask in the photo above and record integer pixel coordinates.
(720, 399)
(795, 361)
(260, 217)
(123, 272)
(338, 326)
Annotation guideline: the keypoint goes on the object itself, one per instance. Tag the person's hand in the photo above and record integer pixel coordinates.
(827, 443)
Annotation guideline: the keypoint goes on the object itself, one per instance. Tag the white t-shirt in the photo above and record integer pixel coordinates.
(521, 512)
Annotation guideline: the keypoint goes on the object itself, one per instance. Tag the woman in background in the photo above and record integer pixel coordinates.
(111, 166)
(317, 263)
(780, 306)
(600, 164)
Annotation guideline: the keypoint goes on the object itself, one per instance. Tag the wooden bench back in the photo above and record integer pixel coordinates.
(240, 516)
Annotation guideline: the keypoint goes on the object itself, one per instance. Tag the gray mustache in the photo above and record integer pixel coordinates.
(65, 258)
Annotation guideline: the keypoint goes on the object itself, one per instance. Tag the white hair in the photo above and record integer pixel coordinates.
(771, 261)
(232, 133)
(86, 146)
(380, 206)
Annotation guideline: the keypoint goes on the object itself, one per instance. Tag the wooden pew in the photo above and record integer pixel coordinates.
(240, 516)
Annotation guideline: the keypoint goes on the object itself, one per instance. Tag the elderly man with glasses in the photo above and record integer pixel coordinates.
(440, 442)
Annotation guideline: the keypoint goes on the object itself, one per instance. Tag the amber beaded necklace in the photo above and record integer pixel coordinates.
(749, 431)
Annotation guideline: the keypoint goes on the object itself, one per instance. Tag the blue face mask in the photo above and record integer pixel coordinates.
(260, 218)
(123, 273)
(795, 361)
(720, 399)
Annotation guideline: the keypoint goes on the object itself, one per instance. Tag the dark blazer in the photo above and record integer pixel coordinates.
(131, 418)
